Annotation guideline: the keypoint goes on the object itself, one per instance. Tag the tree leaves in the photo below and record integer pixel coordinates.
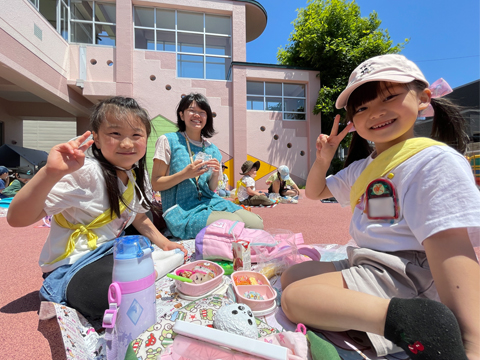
(332, 37)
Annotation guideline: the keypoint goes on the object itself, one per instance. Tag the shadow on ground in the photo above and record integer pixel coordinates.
(26, 303)
(51, 331)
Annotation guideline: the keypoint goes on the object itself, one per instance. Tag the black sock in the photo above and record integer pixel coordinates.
(425, 329)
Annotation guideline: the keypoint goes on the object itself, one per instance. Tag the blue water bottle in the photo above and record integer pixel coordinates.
(131, 295)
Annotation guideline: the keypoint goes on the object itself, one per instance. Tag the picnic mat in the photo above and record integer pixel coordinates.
(81, 341)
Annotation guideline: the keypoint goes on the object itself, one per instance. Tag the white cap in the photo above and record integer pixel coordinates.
(391, 67)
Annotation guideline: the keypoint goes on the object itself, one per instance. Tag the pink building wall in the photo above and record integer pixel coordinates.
(52, 69)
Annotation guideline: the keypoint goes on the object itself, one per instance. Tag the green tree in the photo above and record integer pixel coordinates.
(331, 36)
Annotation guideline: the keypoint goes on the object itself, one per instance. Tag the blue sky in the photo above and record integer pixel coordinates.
(444, 34)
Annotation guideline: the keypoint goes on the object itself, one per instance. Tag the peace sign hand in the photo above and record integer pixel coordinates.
(327, 144)
(68, 157)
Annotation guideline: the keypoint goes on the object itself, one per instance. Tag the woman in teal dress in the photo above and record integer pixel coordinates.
(187, 185)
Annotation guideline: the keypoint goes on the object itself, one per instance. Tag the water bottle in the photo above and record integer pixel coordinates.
(131, 295)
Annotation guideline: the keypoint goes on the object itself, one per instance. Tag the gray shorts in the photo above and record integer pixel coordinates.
(403, 274)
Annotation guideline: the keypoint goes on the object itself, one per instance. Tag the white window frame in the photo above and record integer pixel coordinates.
(204, 54)
(282, 96)
(93, 22)
(35, 3)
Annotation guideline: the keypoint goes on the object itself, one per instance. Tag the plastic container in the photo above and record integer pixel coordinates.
(131, 296)
(195, 290)
(269, 294)
(276, 250)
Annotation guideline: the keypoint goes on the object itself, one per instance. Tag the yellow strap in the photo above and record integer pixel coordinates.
(239, 183)
(386, 161)
(80, 229)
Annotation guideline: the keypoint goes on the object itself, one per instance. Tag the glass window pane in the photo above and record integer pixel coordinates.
(217, 45)
(273, 104)
(294, 105)
(143, 17)
(165, 19)
(144, 39)
(217, 68)
(81, 10)
(190, 66)
(289, 116)
(254, 103)
(255, 88)
(105, 13)
(190, 21)
(296, 90)
(218, 24)
(63, 21)
(192, 43)
(165, 41)
(82, 33)
(273, 89)
(105, 34)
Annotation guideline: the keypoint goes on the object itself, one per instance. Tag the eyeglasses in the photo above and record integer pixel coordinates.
(200, 113)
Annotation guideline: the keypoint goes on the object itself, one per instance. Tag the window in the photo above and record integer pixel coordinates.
(286, 98)
(35, 3)
(92, 22)
(202, 42)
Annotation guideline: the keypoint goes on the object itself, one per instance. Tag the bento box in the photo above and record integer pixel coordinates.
(254, 290)
(192, 289)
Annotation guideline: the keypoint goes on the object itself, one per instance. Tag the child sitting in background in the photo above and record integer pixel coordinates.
(246, 186)
(24, 174)
(222, 188)
(3, 179)
(281, 183)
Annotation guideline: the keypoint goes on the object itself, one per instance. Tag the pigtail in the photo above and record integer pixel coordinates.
(111, 181)
(359, 149)
(140, 173)
(448, 125)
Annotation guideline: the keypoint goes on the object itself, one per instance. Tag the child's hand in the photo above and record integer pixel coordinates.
(327, 144)
(173, 245)
(68, 157)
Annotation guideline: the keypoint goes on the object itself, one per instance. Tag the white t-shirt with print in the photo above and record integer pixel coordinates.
(81, 197)
(435, 190)
(242, 190)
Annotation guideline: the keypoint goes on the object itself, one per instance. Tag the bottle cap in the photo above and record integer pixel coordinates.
(130, 247)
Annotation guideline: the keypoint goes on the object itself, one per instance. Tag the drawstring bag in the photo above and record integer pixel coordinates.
(214, 242)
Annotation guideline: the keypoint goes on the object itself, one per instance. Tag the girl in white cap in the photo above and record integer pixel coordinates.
(414, 279)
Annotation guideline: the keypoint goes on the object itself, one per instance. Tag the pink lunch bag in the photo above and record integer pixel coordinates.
(214, 242)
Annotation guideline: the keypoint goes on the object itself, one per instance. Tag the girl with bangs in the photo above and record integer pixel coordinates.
(92, 201)
(413, 282)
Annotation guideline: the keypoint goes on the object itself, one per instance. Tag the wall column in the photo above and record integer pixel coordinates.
(240, 141)
(124, 48)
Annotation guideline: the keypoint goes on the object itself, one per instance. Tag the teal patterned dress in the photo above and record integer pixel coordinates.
(183, 212)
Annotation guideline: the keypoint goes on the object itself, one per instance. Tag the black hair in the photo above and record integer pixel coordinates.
(448, 124)
(208, 131)
(125, 109)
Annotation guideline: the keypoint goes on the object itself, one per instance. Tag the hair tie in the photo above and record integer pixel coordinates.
(439, 89)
